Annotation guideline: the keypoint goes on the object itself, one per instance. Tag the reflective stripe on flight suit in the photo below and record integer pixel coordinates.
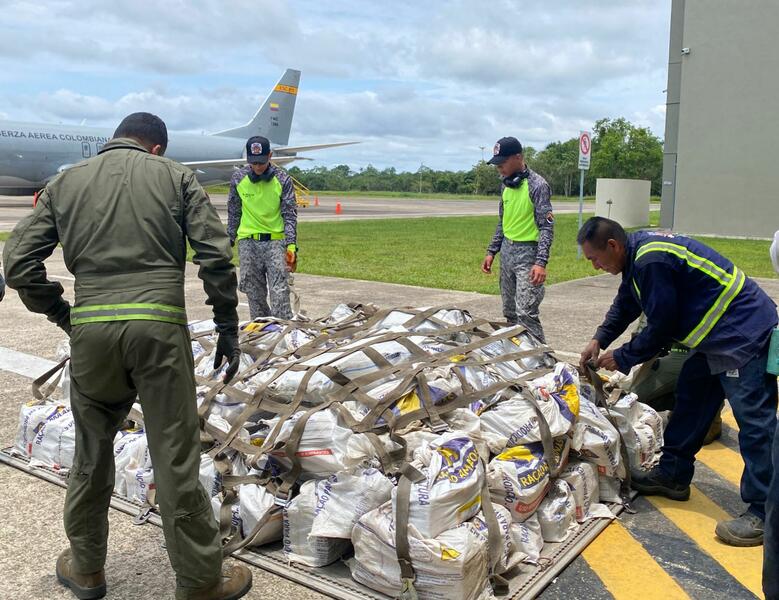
(731, 283)
(128, 312)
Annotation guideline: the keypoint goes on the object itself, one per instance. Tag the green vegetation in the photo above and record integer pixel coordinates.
(447, 252)
(619, 149)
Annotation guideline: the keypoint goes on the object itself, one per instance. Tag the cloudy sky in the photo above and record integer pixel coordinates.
(414, 82)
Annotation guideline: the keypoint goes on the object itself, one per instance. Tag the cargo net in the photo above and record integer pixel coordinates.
(432, 451)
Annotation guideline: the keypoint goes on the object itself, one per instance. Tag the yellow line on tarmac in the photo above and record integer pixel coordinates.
(724, 461)
(728, 419)
(697, 518)
(627, 570)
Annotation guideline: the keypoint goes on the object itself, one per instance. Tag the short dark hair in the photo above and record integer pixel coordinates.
(599, 230)
(144, 127)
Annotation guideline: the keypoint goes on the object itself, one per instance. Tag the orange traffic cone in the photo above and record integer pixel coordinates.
(316, 200)
(338, 208)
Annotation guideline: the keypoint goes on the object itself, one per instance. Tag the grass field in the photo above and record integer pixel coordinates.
(224, 189)
(447, 252)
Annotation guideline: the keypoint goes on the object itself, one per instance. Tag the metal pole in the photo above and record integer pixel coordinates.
(581, 208)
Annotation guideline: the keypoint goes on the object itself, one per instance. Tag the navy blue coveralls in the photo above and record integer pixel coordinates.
(695, 296)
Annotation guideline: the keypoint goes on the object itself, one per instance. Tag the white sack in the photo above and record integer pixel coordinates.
(596, 440)
(343, 498)
(254, 501)
(557, 513)
(582, 479)
(54, 443)
(299, 545)
(528, 541)
(452, 566)
(450, 494)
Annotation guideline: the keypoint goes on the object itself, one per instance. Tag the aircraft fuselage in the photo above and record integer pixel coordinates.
(33, 153)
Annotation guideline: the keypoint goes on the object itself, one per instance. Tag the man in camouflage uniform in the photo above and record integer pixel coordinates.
(123, 219)
(262, 216)
(523, 236)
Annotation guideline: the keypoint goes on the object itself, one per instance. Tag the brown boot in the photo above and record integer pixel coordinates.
(236, 582)
(715, 429)
(85, 586)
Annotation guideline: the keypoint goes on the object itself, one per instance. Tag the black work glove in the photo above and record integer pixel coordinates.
(227, 348)
(61, 318)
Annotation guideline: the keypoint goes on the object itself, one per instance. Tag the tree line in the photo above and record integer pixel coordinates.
(619, 150)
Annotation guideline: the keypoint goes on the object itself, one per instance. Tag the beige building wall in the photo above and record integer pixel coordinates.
(726, 176)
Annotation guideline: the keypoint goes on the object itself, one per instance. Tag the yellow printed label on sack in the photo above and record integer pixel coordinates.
(516, 453)
(257, 441)
(408, 403)
(457, 358)
(448, 553)
(468, 505)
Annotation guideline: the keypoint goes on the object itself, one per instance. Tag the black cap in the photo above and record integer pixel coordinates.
(257, 150)
(504, 148)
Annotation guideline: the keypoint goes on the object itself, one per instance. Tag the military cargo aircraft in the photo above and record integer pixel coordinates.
(33, 153)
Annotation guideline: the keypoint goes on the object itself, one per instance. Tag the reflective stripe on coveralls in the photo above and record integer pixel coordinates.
(731, 282)
(128, 312)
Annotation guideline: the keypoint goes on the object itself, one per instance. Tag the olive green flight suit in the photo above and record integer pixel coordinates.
(123, 219)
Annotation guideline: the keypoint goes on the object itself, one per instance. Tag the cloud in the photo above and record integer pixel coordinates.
(416, 82)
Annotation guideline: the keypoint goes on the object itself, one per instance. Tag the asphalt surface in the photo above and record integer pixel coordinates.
(661, 552)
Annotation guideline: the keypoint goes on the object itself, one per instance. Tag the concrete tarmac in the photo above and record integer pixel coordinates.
(32, 534)
(13, 208)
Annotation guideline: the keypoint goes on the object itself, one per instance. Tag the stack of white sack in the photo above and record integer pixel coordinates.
(514, 421)
(452, 566)
(417, 435)
(512, 369)
(319, 521)
(132, 460)
(443, 383)
(345, 359)
(47, 435)
(518, 477)
(326, 445)
(131, 453)
(450, 493)
(582, 479)
(211, 479)
(642, 431)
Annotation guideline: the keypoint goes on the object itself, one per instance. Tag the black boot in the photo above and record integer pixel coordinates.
(656, 483)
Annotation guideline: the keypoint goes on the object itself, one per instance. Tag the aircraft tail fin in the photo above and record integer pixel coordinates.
(274, 118)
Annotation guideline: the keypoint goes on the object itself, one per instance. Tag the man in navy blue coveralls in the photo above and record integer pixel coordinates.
(695, 296)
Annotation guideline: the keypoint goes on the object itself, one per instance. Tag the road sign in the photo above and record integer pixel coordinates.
(585, 149)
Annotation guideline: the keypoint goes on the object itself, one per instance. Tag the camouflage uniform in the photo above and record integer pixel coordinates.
(264, 277)
(521, 299)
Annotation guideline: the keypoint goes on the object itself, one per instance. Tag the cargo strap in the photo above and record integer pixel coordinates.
(408, 475)
(500, 586)
(41, 390)
(100, 313)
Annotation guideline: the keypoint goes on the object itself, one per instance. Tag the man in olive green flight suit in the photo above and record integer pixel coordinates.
(123, 219)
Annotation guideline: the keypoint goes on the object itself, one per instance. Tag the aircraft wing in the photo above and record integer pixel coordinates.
(236, 162)
(286, 149)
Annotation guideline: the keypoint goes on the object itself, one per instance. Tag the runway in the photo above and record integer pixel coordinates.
(14, 208)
